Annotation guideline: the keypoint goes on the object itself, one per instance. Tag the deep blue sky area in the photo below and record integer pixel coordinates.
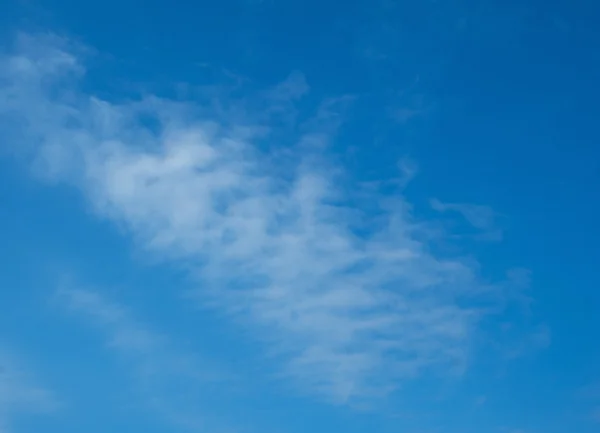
(281, 216)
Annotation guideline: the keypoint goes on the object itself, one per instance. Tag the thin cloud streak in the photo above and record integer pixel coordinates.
(481, 217)
(173, 384)
(19, 392)
(340, 284)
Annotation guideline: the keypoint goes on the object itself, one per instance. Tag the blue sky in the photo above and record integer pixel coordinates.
(283, 216)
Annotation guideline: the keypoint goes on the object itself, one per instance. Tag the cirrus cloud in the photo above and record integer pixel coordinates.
(340, 284)
(19, 392)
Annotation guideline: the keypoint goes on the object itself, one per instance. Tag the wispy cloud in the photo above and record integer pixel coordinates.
(403, 115)
(338, 283)
(173, 384)
(596, 414)
(481, 217)
(590, 399)
(19, 392)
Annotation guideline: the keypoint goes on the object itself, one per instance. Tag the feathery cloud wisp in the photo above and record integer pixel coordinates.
(340, 285)
(173, 384)
(19, 394)
(481, 217)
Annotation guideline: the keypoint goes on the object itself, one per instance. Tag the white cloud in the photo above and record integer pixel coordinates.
(481, 217)
(590, 395)
(403, 115)
(173, 384)
(596, 414)
(339, 283)
(19, 392)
